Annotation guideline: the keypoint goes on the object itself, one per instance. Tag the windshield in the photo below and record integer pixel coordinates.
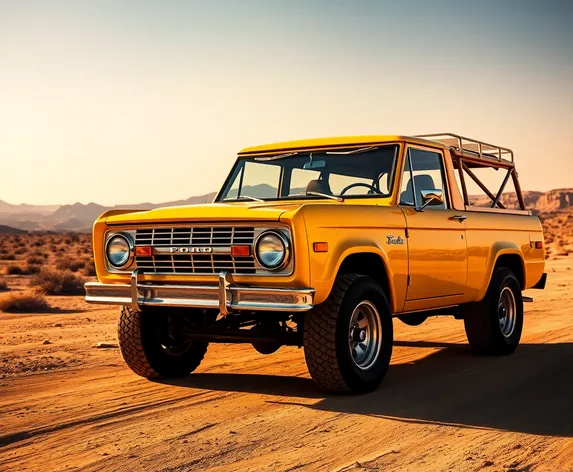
(323, 174)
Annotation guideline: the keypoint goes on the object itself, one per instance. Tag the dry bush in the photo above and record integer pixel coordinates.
(67, 263)
(19, 251)
(75, 237)
(23, 303)
(4, 251)
(14, 270)
(22, 244)
(32, 269)
(35, 260)
(9, 257)
(90, 270)
(3, 284)
(39, 243)
(58, 282)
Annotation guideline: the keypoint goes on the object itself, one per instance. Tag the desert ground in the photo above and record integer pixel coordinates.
(67, 405)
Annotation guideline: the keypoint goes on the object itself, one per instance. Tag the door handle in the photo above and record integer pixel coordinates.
(460, 218)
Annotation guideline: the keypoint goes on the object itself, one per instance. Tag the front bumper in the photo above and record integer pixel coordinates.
(225, 296)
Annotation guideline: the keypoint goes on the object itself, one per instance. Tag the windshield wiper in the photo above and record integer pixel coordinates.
(244, 197)
(325, 195)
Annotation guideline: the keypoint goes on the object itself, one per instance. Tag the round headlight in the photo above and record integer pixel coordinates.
(271, 250)
(118, 250)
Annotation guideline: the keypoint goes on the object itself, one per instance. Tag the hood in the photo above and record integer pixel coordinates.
(235, 211)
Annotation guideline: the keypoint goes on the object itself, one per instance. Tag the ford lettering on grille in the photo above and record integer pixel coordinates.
(187, 249)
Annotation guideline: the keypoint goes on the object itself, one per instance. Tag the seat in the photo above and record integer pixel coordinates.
(318, 186)
(423, 182)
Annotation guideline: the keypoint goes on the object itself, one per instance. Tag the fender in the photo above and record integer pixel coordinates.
(325, 280)
(498, 249)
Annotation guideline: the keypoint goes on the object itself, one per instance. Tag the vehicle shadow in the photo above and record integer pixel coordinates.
(530, 391)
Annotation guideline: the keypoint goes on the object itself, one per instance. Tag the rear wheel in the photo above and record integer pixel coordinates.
(152, 342)
(494, 325)
(348, 338)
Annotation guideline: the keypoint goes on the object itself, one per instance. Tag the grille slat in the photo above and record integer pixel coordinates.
(195, 263)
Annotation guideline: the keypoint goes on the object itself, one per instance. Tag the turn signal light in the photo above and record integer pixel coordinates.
(320, 247)
(240, 251)
(143, 251)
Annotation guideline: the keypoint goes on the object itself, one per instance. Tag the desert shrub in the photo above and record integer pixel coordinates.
(90, 270)
(23, 303)
(75, 237)
(3, 284)
(29, 269)
(22, 244)
(68, 241)
(39, 243)
(19, 251)
(67, 263)
(58, 282)
(14, 270)
(35, 260)
(4, 251)
(9, 257)
(37, 253)
(32, 269)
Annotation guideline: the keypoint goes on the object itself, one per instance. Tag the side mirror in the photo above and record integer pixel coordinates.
(431, 197)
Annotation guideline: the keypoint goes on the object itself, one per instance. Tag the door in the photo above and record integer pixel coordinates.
(437, 249)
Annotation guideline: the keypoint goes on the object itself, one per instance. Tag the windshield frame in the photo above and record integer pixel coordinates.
(239, 162)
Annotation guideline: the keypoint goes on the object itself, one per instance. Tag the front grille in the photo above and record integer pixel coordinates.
(217, 237)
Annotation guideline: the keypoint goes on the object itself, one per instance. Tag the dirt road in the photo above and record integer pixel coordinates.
(69, 406)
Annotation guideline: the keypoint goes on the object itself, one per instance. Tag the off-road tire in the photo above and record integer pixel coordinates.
(481, 319)
(143, 353)
(326, 332)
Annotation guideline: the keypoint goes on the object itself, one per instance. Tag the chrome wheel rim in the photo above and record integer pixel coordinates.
(507, 312)
(171, 339)
(365, 335)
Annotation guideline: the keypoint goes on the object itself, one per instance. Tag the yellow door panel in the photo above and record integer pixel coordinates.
(437, 253)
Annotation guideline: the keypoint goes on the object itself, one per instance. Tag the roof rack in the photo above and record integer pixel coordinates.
(468, 153)
(472, 147)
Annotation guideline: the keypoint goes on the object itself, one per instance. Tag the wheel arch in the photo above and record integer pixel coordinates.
(371, 262)
(508, 255)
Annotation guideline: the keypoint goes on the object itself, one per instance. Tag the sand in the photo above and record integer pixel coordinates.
(68, 405)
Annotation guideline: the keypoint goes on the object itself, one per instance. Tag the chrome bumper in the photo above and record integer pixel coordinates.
(225, 296)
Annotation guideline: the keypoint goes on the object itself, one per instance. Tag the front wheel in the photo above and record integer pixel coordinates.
(153, 346)
(348, 338)
(494, 325)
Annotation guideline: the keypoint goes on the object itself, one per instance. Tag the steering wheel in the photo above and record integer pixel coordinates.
(360, 184)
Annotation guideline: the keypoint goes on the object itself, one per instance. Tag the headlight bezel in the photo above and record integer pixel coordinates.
(131, 249)
(287, 250)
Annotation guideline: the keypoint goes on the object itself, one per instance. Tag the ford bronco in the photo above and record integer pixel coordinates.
(321, 244)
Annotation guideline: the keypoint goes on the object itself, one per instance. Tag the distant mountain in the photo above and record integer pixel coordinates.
(6, 207)
(80, 217)
(9, 229)
(539, 202)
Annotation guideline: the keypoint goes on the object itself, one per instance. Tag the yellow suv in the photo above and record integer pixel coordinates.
(321, 243)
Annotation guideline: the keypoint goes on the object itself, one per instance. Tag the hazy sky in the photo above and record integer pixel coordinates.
(123, 102)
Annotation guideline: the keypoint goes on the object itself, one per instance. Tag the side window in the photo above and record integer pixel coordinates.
(407, 190)
(426, 173)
